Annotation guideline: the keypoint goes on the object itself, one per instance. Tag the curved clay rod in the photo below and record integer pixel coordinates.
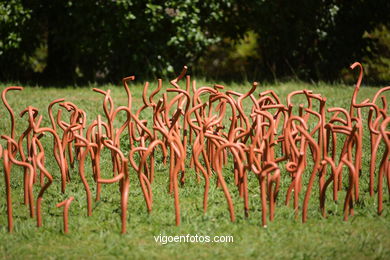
(174, 119)
(197, 129)
(7, 175)
(125, 186)
(111, 146)
(144, 182)
(348, 203)
(32, 113)
(133, 128)
(145, 94)
(290, 96)
(124, 125)
(241, 110)
(129, 98)
(263, 196)
(147, 195)
(221, 109)
(24, 158)
(373, 130)
(61, 123)
(66, 205)
(107, 112)
(240, 158)
(67, 140)
(233, 111)
(181, 153)
(357, 86)
(152, 147)
(379, 92)
(112, 180)
(253, 88)
(217, 86)
(185, 123)
(40, 161)
(221, 179)
(123, 173)
(199, 92)
(107, 98)
(385, 135)
(131, 156)
(159, 86)
(98, 140)
(334, 177)
(364, 103)
(169, 137)
(147, 153)
(342, 110)
(11, 112)
(29, 184)
(184, 92)
(176, 80)
(62, 161)
(69, 130)
(196, 154)
(90, 130)
(139, 123)
(194, 89)
(276, 97)
(175, 171)
(318, 115)
(296, 157)
(316, 167)
(168, 107)
(289, 136)
(84, 153)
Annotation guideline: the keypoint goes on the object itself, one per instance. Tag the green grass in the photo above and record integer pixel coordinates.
(363, 236)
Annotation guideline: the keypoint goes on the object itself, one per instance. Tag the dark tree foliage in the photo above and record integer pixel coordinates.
(84, 40)
(94, 40)
(313, 39)
(14, 18)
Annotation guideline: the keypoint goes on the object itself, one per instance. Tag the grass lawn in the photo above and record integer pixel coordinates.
(364, 236)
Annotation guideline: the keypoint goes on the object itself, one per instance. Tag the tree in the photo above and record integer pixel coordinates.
(13, 19)
(314, 39)
(89, 39)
